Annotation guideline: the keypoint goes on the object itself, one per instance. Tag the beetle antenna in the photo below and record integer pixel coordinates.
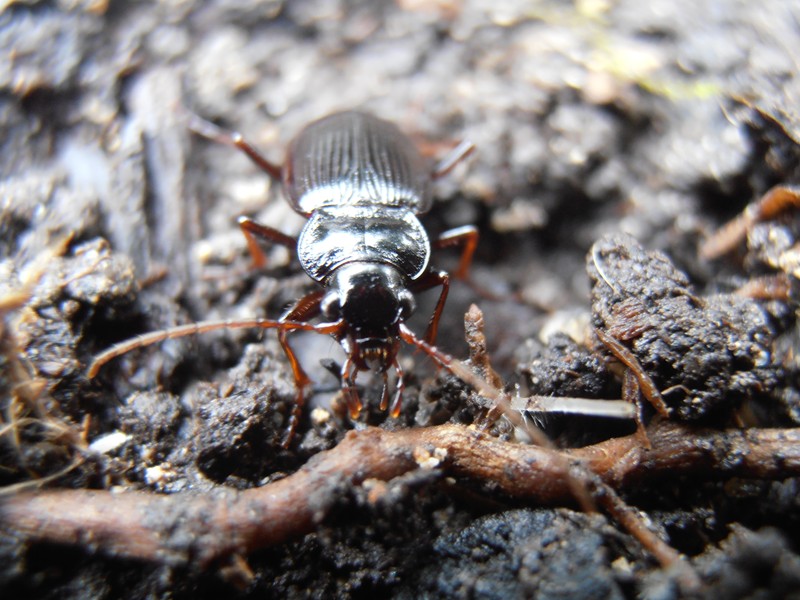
(155, 337)
(437, 355)
(602, 408)
(456, 367)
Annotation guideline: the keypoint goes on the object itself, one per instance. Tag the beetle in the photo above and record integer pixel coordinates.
(362, 184)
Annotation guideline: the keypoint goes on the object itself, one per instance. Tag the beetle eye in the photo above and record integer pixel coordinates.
(407, 305)
(331, 306)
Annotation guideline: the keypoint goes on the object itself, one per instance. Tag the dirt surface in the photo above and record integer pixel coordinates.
(613, 139)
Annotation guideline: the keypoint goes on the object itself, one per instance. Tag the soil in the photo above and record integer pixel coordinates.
(612, 140)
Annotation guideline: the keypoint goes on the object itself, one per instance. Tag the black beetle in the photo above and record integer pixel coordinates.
(361, 183)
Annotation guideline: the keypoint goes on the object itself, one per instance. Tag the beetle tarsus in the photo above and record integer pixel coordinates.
(394, 412)
(385, 392)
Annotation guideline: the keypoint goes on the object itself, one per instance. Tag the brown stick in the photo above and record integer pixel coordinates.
(769, 206)
(199, 529)
(628, 358)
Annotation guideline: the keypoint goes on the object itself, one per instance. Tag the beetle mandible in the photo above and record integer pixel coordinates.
(361, 183)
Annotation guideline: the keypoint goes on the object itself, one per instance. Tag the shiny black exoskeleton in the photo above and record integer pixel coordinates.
(361, 182)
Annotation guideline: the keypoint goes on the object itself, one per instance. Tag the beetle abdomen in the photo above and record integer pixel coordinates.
(355, 159)
(335, 236)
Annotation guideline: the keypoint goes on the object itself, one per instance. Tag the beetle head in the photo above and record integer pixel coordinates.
(372, 300)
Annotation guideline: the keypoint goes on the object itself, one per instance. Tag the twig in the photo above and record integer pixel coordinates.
(769, 206)
(484, 379)
(626, 357)
(202, 529)
(581, 480)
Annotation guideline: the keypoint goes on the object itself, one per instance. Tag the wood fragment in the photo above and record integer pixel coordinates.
(201, 529)
(626, 357)
(769, 206)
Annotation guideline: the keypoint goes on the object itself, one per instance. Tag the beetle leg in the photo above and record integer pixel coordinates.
(465, 236)
(310, 307)
(304, 309)
(449, 161)
(426, 282)
(252, 229)
(232, 138)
